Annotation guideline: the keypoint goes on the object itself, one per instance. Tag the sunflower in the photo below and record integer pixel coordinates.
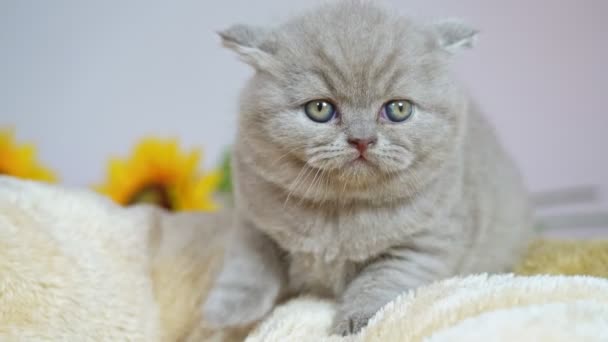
(20, 161)
(159, 173)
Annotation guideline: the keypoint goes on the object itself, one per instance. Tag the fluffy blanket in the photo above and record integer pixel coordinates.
(76, 267)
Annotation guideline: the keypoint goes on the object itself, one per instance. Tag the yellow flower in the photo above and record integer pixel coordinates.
(20, 161)
(159, 173)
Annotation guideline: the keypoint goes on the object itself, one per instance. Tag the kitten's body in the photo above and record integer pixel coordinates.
(483, 222)
(436, 197)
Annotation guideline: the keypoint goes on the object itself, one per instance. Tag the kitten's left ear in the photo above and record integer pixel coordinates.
(455, 35)
(252, 44)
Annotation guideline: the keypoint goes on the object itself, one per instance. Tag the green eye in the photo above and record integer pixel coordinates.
(319, 110)
(398, 110)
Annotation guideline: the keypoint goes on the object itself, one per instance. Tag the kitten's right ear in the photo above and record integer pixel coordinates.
(252, 44)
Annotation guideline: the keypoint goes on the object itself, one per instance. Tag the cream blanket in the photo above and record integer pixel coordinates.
(75, 267)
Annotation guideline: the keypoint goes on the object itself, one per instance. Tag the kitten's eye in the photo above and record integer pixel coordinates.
(319, 110)
(398, 110)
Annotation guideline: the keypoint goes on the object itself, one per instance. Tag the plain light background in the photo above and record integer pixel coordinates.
(84, 80)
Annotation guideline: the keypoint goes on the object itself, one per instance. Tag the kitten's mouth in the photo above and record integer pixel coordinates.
(360, 160)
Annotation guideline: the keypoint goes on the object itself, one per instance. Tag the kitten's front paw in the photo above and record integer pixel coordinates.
(234, 304)
(351, 323)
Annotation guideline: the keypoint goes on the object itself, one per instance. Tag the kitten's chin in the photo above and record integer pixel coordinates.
(359, 172)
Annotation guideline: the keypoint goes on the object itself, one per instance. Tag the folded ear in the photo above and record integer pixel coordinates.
(455, 35)
(252, 44)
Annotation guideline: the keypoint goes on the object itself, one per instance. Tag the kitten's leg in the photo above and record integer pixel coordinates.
(383, 280)
(248, 284)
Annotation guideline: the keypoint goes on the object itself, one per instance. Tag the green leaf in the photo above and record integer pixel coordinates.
(225, 185)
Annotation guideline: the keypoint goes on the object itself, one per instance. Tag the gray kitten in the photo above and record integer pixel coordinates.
(361, 168)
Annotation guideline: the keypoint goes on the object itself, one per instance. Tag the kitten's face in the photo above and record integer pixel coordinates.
(352, 93)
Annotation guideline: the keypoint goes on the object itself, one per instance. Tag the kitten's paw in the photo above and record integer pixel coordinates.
(352, 323)
(233, 304)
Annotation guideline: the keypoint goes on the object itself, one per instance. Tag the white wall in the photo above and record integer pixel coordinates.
(85, 79)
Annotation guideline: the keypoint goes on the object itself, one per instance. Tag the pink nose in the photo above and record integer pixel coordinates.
(362, 144)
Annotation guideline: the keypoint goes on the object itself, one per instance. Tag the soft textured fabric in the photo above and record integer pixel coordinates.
(566, 258)
(76, 267)
(73, 267)
(475, 308)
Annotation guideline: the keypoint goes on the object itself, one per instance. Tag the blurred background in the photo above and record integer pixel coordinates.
(85, 80)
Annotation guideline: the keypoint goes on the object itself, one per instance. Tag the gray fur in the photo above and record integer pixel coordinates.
(439, 196)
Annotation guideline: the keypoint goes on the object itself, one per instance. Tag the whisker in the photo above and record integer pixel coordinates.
(326, 184)
(273, 164)
(345, 179)
(309, 186)
(323, 180)
(295, 184)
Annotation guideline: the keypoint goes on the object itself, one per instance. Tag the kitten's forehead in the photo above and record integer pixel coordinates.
(353, 47)
(348, 20)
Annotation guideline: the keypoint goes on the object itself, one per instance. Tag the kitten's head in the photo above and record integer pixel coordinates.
(351, 92)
